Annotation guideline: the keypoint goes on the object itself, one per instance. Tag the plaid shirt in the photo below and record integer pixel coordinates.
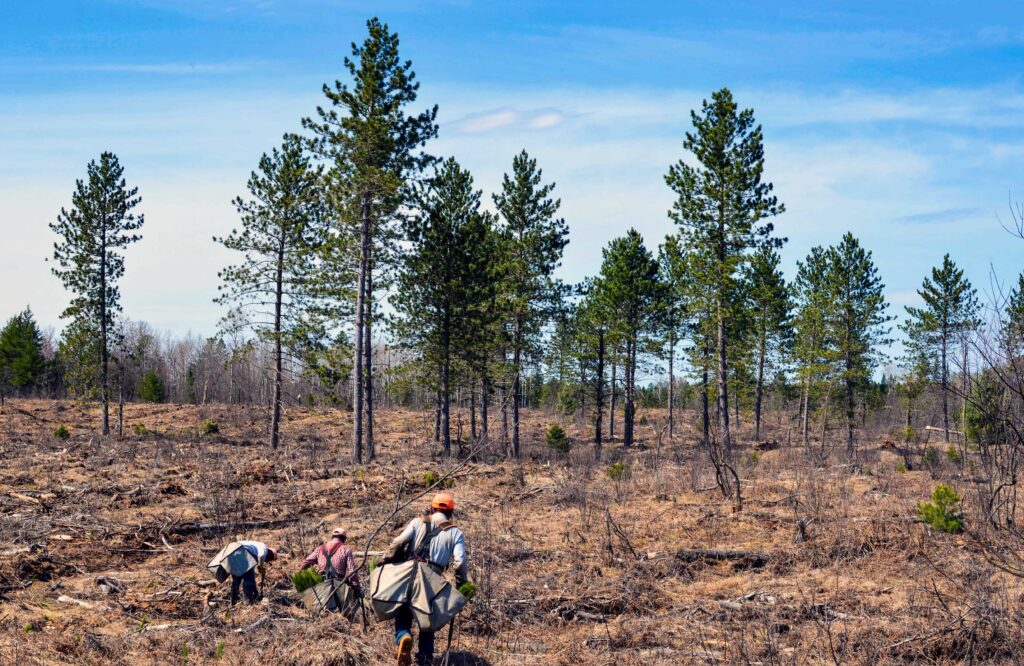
(342, 559)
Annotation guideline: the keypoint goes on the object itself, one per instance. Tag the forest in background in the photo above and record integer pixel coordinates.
(372, 274)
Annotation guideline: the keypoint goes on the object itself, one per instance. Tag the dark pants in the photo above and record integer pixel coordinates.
(247, 581)
(425, 653)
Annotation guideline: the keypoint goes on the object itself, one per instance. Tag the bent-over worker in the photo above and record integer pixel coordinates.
(247, 581)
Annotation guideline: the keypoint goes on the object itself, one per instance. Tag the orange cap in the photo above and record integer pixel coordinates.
(443, 502)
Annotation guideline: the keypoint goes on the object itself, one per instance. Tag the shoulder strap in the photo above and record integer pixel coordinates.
(330, 570)
(423, 550)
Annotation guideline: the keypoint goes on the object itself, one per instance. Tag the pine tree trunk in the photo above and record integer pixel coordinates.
(472, 409)
(723, 384)
(850, 413)
(611, 407)
(671, 383)
(723, 364)
(627, 416)
(485, 389)
(104, 353)
(805, 405)
(446, 431)
(759, 387)
(705, 388)
(517, 387)
(945, 384)
(275, 420)
(371, 450)
(504, 417)
(357, 361)
(824, 417)
(965, 386)
(120, 397)
(437, 409)
(599, 396)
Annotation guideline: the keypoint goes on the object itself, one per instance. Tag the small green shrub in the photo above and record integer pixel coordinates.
(431, 477)
(61, 432)
(930, 457)
(468, 589)
(184, 653)
(908, 434)
(305, 579)
(754, 457)
(140, 429)
(953, 454)
(209, 427)
(219, 652)
(619, 471)
(901, 467)
(943, 513)
(557, 440)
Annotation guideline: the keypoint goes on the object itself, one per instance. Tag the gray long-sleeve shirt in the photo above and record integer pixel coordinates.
(448, 549)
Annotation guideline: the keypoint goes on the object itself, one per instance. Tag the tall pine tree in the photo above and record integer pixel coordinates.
(373, 148)
(812, 341)
(721, 206)
(534, 240)
(672, 275)
(770, 307)
(859, 326)
(445, 286)
(93, 234)
(950, 309)
(630, 293)
(275, 287)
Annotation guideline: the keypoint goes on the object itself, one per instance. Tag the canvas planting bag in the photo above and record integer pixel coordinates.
(233, 560)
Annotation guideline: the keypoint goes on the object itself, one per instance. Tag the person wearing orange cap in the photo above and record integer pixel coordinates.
(334, 559)
(433, 539)
(247, 581)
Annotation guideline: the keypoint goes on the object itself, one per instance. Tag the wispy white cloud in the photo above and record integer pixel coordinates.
(506, 118)
(941, 216)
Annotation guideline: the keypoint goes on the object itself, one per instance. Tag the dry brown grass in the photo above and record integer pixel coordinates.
(572, 567)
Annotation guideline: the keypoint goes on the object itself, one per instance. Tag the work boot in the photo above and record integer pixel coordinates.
(405, 649)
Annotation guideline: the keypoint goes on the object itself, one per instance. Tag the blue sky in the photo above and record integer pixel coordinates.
(901, 122)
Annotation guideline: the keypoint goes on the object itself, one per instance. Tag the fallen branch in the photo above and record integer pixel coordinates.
(751, 559)
(65, 599)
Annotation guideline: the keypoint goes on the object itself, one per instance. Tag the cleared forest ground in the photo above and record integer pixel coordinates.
(103, 546)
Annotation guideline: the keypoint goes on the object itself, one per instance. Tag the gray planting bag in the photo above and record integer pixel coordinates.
(433, 600)
(331, 596)
(233, 560)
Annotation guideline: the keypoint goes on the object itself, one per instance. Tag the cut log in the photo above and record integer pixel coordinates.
(739, 558)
